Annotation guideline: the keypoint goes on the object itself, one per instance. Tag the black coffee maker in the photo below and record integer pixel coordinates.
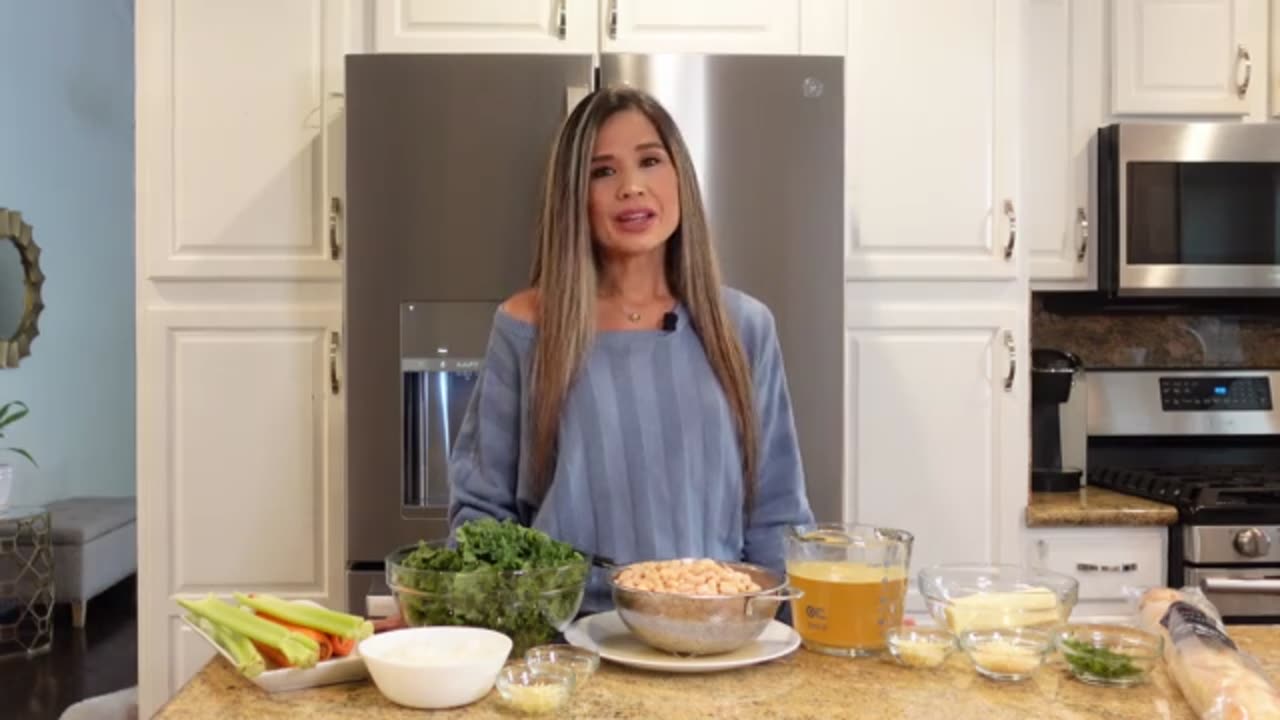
(1054, 378)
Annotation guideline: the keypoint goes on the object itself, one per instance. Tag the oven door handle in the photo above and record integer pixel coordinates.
(1249, 586)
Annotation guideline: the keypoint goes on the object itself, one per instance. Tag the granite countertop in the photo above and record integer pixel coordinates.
(802, 685)
(1097, 507)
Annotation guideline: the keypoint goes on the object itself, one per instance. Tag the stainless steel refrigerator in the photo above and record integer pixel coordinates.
(445, 156)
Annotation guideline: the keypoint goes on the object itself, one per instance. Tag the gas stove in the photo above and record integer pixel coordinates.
(1202, 494)
(1208, 443)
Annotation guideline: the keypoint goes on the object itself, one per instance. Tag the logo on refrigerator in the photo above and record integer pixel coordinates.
(812, 87)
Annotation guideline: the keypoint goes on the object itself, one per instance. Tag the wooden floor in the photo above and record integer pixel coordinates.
(99, 659)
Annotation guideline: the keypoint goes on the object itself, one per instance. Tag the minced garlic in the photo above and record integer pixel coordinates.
(1006, 658)
(537, 699)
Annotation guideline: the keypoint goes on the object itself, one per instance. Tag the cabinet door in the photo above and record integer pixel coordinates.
(240, 462)
(932, 131)
(485, 26)
(1275, 60)
(1105, 560)
(936, 413)
(229, 145)
(706, 26)
(1184, 56)
(1062, 105)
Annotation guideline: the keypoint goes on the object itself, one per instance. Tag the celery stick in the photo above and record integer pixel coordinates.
(309, 616)
(244, 655)
(298, 649)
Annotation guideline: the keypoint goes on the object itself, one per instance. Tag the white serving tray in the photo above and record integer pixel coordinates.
(330, 672)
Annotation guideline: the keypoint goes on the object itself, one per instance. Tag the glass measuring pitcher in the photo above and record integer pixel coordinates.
(854, 579)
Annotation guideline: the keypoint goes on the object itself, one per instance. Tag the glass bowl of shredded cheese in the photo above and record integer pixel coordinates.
(536, 688)
(920, 647)
(1010, 654)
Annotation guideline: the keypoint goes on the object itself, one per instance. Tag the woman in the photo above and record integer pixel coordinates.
(630, 405)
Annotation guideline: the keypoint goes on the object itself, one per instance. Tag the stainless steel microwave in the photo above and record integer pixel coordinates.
(1189, 209)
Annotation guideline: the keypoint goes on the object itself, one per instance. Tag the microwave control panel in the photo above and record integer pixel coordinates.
(1215, 393)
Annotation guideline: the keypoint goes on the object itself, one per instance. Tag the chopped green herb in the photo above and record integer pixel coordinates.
(475, 583)
(1086, 659)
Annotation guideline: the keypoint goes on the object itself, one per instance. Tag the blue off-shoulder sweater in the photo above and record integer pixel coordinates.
(648, 465)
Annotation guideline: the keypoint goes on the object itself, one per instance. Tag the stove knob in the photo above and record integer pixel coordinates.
(1252, 543)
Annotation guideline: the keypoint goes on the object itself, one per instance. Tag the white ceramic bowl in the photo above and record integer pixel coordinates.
(435, 667)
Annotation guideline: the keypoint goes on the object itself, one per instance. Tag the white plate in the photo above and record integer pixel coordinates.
(606, 634)
(330, 672)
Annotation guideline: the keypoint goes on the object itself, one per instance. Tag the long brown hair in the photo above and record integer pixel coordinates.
(565, 273)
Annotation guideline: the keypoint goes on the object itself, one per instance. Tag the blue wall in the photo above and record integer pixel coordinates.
(66, 163)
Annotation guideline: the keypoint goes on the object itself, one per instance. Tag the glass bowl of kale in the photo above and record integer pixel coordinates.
(496, 575)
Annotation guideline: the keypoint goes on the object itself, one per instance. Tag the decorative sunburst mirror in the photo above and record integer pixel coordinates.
(20, 283)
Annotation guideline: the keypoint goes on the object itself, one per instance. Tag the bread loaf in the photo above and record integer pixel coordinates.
(1218, 681)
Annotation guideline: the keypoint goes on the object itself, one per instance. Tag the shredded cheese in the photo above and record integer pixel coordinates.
(921, 653)
(1006, 658)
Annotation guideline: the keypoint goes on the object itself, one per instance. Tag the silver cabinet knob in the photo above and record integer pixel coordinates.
(1252, 543)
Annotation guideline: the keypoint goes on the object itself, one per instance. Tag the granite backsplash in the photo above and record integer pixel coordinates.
(1160, 340)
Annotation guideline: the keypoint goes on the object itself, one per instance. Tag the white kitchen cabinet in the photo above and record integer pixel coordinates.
(1107, 561)
(485, 26)
(239, 89)
(814, 27)
(1275, 58)
(1063, 104)
(240, 457)
(932, 140)
(239, 322)
(1188, 57)
(936, 417)
(723, 26)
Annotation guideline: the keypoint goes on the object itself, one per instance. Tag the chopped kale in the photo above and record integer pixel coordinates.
(501, 575)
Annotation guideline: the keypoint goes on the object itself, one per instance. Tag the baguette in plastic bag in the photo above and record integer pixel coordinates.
(1217, 680)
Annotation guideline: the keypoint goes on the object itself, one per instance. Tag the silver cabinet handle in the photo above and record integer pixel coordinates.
(613, 19)
(1013, 360)
(335, 384)
(1082, 219)
(335, 216)
(562, 22)
(1242, 56)
(1123, 568)
(1013, 229)
(1260, 586)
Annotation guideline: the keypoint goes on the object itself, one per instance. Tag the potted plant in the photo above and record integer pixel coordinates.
(10, 413)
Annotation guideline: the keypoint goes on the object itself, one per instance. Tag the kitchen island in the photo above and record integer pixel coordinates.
(802, 685)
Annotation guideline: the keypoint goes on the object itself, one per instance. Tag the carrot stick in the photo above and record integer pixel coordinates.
(342, 647)
(272, 655)
(324, 640)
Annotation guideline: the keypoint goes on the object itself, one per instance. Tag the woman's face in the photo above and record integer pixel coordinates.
(634, 201)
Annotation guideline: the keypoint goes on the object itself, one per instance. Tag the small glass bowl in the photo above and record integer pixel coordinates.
(581, 661)
(1010, 655)
(1109, 655)
(920, 647)
(539, 689)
